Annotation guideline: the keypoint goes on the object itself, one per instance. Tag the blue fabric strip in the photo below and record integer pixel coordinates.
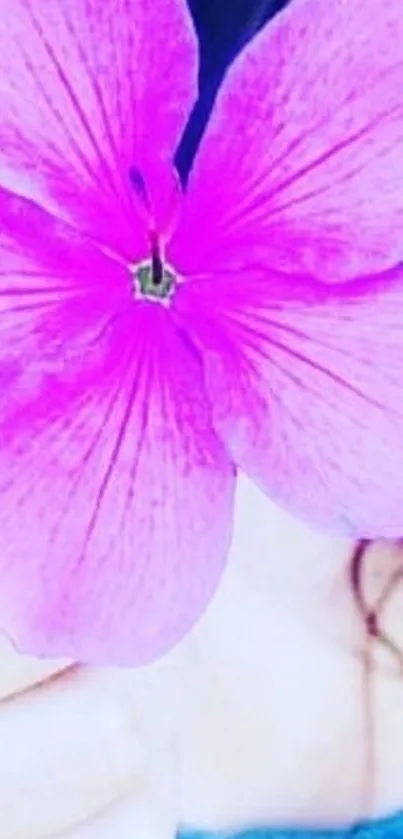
(390, 828)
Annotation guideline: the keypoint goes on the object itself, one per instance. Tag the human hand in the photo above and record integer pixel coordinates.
(81, 755)
(265, 703)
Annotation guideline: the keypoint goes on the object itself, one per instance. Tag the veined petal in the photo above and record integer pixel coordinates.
(306, 383)
(115, 492)
(88, 91)
(307, 135)
(48, 269)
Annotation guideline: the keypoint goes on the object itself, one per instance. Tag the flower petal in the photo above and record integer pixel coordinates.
(46, 266)
(306, 381)
(115, 493)
(307, 139)
(89, 90)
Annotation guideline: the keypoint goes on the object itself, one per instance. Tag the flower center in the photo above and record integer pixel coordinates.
(152, 278)
(154, 281)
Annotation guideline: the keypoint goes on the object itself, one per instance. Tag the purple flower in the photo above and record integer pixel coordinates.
(153, 343)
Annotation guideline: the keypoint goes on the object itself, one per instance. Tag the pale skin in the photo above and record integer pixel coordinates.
(263, 715)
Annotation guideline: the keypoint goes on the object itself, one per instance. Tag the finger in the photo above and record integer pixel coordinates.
(125, 819)
(19, 672)
(67, 749)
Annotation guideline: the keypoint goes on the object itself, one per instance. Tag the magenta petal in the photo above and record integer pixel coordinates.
(115, 493)
(45, 266)
(307, 132)
(89, 90)
(306, 381)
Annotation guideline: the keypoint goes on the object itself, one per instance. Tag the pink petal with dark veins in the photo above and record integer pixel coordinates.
(301, 166)
(115, 492)
(88, 90)
(306, 384)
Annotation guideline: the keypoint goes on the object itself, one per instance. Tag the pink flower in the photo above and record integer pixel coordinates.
(153, 344)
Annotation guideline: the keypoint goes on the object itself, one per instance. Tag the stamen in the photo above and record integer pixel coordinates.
(152, 278)
(157, 267)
